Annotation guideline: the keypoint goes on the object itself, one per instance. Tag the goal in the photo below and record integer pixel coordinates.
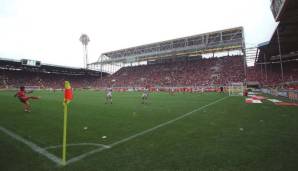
(236, 89)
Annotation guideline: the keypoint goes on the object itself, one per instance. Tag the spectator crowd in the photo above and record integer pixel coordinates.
(204, 72)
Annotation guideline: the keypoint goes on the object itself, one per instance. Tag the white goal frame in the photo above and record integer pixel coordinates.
(236, 89)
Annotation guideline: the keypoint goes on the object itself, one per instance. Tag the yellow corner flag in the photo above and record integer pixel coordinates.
(67, 98)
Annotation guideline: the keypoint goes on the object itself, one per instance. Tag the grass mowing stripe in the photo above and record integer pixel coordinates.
(33, 146)
(80, 157)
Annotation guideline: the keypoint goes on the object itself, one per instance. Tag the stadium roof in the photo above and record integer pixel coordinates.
(283, 9)
(286, 32)
(218, 41)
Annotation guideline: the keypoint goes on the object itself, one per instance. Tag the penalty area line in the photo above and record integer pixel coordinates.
(33, 146)
(80, 157)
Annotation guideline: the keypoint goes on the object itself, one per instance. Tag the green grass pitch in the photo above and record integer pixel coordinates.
(225, 135)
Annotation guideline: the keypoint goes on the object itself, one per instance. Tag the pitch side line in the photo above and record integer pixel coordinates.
(80, 157)
(33, 146)
(78, 144)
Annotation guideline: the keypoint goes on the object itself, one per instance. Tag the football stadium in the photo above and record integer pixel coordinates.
(208, 101)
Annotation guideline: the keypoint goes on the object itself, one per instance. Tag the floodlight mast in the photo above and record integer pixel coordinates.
(85, 40)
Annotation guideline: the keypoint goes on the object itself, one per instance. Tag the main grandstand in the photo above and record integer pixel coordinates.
(179, 62)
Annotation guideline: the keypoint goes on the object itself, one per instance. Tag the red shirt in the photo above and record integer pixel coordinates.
(21, 94)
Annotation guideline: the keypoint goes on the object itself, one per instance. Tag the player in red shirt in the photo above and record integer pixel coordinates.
(21, 94)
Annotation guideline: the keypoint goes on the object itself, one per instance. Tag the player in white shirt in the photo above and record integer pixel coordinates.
(172, 91)
(109, 91)
(145, 95)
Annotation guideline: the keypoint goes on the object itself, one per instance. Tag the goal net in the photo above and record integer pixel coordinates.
(236, 89)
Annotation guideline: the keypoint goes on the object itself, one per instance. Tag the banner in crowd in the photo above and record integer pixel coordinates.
(293, 95)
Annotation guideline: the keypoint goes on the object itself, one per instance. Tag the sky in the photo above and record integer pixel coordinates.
(49, 30)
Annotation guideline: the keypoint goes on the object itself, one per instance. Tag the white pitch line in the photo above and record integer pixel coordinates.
(80, 157)
(33, 146)
(78, 144)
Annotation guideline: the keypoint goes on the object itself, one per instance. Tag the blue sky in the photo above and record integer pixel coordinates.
(49, 30)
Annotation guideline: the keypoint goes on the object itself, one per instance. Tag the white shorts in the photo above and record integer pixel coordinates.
(109, 95)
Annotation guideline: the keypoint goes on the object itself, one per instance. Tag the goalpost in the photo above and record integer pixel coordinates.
(236, 89)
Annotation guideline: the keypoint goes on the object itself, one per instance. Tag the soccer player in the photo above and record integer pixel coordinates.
(145, 95)
(21, 94)
(172, 91)
(109, 91)
(245, 92)
(221, 89)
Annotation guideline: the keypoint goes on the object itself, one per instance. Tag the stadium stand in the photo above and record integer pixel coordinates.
(182, 62)
(173, 63)
(204, 72)
(276, 63)
(14, 74)
(272, 75)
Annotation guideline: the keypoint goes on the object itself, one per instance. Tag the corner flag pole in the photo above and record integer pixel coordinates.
(68, 95)
(64, 135)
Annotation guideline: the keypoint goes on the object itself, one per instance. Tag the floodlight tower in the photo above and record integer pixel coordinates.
(85, 40)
